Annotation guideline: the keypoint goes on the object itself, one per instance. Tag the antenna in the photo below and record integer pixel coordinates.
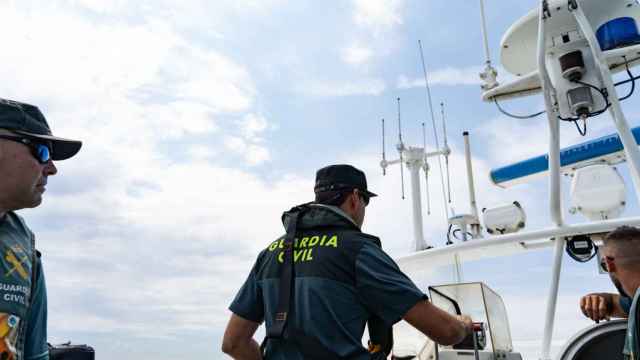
(400, 149)
(426, 167)
(384, 157)
(435, 132)
(447, 152)
(490, 74)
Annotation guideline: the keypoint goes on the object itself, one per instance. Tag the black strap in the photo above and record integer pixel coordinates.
(287, 279)
(380, 337)
(308, 345)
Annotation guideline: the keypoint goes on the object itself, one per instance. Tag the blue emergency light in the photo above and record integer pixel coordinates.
(588, 151)
(617, 33)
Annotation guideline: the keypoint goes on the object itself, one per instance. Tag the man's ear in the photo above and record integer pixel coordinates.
(611, 265)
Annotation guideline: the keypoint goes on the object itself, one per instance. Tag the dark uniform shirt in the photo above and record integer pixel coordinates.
(632, 341)
(23, 305)
(342, 278)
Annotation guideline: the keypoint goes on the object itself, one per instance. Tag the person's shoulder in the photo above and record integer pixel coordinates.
(17, 222)
(364, 240)
(371, 238)
(269, 250)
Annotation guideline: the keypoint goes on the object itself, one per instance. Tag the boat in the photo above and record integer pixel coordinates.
(566, 51)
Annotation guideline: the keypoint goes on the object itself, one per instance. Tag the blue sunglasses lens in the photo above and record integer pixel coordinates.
(42, 153)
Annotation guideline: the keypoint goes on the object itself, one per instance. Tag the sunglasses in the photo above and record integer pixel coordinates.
(364, 198)
(603, 263)
(39, 150)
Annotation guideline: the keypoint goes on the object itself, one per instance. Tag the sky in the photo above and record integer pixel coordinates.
(203, 121)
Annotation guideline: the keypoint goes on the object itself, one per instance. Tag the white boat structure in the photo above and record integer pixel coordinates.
(567, 51)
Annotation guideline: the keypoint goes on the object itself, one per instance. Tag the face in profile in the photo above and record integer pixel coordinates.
(606, 252)
(26, 178)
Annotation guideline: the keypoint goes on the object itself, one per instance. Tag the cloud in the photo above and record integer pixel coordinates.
(356, 54)
(378, 14)
(366, 86)
(253, 154)
(158, 259)
(138, 228)
(448, 76)
(451, 76)
(119, 80)
(253, 125)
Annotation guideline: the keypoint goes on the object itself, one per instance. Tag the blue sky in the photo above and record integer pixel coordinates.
(202, 121)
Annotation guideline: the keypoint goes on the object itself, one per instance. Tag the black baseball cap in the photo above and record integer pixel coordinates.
(27, 120)
(341, 177)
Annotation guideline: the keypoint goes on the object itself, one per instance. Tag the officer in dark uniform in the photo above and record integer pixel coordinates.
(318, 285)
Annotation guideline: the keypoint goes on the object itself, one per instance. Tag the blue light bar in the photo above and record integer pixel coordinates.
(618, 32)
(590, 150)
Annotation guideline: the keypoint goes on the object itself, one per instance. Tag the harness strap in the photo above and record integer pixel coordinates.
(287, 279)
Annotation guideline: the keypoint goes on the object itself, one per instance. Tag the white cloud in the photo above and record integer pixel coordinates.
(235, 143)
(165, 258)
(367, 86)
(451, 76)
(257, 155)
(253, 125)
(201, 152)
(448, 76)
(135, 85)
(356, 54)
(378, 14)
(102, 7)
(137, 228)
(253, 153)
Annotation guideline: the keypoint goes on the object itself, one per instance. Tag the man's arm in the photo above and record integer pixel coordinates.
(440, 326)
(601, 306)
(392, 296)
(238, 339)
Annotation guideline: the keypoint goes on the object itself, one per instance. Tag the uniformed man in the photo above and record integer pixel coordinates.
(316, 294)
(621, 258)
(27, 151)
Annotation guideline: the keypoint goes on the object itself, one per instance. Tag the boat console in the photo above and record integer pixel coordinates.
(492, 335)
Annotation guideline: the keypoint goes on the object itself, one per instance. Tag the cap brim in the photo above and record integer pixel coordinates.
(61, 149)
(370, 194)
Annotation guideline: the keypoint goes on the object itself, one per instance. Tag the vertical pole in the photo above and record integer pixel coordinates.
(558, 250)
(475, 230)
(414, 169)
(489, 75)
(487, 54)
(631, 150)
(554, 181)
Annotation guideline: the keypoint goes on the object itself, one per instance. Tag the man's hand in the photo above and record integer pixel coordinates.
(467, 323)
(597, 306)
(437, 324)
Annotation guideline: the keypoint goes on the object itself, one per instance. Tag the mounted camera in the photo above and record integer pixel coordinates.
(598, 192)
(572, 65)
(505, 219)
